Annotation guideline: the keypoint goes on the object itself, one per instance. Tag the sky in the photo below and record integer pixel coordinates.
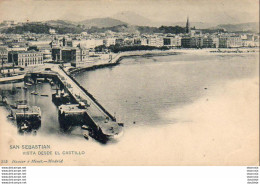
(209, 11)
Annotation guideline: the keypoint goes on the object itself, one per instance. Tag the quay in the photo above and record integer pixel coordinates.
(83, 108)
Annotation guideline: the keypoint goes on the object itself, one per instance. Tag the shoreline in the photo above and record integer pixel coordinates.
(151, 53)
(119, 57)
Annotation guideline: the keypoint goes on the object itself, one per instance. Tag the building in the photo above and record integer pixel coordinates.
(89, 44)
(155, 41)
(186, 42)
(56, 43)
(196, 42)
(47, 56)
(17, 49)
(56, 54)
(230, 42)
(250, 40)
(81, 55)
(172, 41)
(167, 41)
(119, 41)
(192, 42)
(208, 42)
(25, 58)
(187, 28)
(109, 41)
(3, 55)
(64, 54)
(43, 46)
(52, 31)
(68, 54)
(40, 43)
(196, 32)
(176, 41)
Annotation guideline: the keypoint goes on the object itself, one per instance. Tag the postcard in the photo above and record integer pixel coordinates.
(123, 83)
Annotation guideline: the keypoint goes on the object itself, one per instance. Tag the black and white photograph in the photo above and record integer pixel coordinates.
(129, 83)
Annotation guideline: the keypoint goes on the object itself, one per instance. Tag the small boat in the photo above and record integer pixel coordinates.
(24, 127)
(44, 95)
(121, 124)
(34, 93)
(85, 127)
(10, 117)
(86, 136)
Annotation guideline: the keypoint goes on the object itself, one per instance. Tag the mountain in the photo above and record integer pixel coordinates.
(138, 20)
(133, 19)
(244, 27)
(101, 22)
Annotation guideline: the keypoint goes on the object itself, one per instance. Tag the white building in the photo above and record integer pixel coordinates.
(52, 31)
(109, 41)
(91, 43)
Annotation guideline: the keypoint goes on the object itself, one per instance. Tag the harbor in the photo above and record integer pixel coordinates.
(74, 103)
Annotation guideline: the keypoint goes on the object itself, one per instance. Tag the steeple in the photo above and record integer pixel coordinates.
(187, 26)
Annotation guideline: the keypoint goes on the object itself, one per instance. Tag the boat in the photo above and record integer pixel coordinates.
(85, 127)
(28, 118)
(60, 98)
(86, 136)
(28, 84)
(44, 95)
(34, 93)
(40, 80)
(24, 127)
(10, 117)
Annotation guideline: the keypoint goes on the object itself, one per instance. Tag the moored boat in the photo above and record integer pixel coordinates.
(28, 118)
(44, 95)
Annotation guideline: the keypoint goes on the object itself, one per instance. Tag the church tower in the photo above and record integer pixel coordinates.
(187, 26)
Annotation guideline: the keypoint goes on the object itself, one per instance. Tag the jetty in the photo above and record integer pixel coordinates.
(83, 107)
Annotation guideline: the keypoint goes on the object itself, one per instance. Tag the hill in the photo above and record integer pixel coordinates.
(62, 23)
(40, 28)
(101, 22)
(244, 27)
